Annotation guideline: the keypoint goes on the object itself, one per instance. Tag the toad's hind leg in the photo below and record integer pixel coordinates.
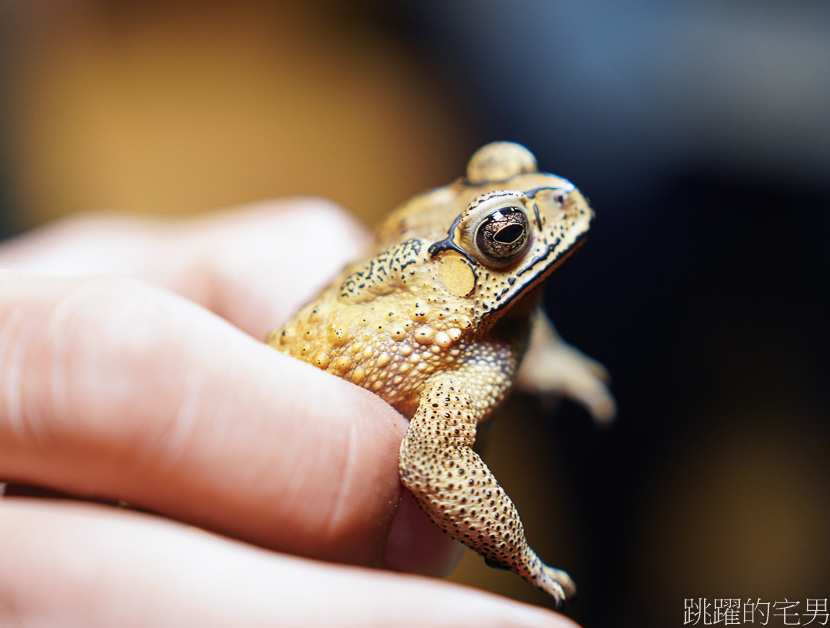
(461, 495)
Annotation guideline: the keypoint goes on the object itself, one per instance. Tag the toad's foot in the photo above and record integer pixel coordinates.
(556, 583)
(552, 366)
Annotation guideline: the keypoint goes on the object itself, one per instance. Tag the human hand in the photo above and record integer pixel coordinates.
(117, 388)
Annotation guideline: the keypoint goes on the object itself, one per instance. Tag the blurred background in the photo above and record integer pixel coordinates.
(699, 131)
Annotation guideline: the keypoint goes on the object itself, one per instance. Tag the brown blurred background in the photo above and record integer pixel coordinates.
(701, 134)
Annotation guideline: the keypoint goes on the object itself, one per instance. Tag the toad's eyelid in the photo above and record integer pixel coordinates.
(448, 243)
(565, 188)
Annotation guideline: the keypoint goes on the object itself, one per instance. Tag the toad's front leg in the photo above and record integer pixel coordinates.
(459, 492)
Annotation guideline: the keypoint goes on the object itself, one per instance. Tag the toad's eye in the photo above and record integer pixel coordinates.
(502, 235)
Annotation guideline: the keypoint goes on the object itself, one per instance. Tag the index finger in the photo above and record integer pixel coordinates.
(253, 264)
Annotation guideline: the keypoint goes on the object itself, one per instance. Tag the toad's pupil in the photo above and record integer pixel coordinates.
(509, 234)
(502, 235)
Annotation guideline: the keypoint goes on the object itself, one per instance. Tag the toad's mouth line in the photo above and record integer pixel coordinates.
(507, 303)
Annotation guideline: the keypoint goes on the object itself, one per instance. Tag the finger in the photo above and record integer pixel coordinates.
(84, 566)
(254, 264)
(263, 263)
(113, 388)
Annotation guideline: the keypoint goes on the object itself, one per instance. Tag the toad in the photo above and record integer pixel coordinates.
(442, 319)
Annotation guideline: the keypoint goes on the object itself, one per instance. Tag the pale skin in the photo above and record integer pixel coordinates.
(157, 390)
